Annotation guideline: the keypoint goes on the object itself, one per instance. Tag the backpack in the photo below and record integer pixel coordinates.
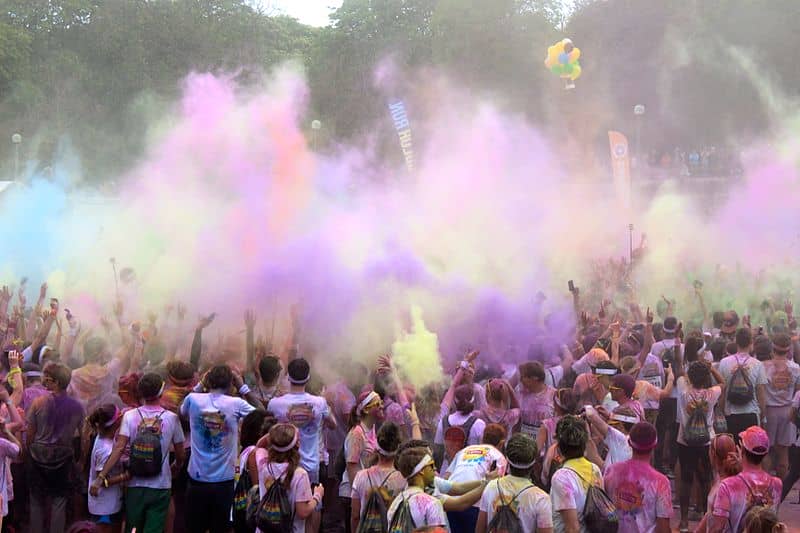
(696, 432)
(373, 515)
(241, 493)
(275, 512)
(146, 455)
(599, 513)
(505, 520)
(755, 500)
(740, 388)
(402, 521)
(455, 437)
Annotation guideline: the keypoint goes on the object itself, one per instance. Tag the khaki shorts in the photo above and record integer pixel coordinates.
(780, 429)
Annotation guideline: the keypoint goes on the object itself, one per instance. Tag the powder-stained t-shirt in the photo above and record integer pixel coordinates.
(474, 462)
(306, 412)
(783, 379)
(568, 490)
(426, 510)
(755, 372)
(388, 481)
(214, 420)
(535, 407)
(640, 493)
(737, 493)
(530, 503)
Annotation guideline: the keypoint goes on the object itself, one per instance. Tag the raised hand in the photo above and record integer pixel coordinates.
(649, 316)
(205, 321)
(181, 311)
(43, 291)
(471, 356)
(788, 307)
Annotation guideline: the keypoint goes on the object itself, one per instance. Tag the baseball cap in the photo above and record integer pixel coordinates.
(643, 437)
(625, 382)
(755, 440)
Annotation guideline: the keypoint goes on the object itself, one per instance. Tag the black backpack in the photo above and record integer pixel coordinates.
(146, 456)
(452, 446)
(240, 496)
(505, 520)
(740, 387)
(373, 515)
(696, 432)
(275, 512)
(599, 512)
(402, 521)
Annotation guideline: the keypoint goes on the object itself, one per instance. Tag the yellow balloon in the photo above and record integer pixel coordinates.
(574, 55)
(576, 72)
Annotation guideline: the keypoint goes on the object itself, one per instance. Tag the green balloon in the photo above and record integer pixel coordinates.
(556, 69)
(567, 68)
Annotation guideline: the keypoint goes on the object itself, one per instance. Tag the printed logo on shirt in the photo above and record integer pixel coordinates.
(212, 427)
(473, 454)
(300, 414)
(781, 378)
(629, 497)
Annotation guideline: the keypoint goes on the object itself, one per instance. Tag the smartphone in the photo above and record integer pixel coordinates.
(571, 285)
(493, 467)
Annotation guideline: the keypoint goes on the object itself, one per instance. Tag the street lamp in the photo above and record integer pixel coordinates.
(316, 125)
(16, 139)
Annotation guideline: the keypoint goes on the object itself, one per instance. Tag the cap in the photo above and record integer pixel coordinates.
(643, 437)
(755, 440)
(626, 382)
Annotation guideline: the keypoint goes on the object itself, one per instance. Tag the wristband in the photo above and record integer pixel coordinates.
(464, 365)
(105, 482)
(244, 390)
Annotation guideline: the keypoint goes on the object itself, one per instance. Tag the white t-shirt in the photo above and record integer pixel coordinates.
(426, 510)
(299, 488)
(459, 419)
(653, 373)
(641, 494)
(783, 378)
(687, 396)
(8, 450)
(214, 420)
(171, 433)
(567, 491)
(755, 371)
(553, 376)
(532, 505)
(618, 448)
(474, 462)
(306, 412)
(374, 477)
(109, 500)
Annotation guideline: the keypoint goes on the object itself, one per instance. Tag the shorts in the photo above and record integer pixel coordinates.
(780, 429)
(108, 519)
(694, 461)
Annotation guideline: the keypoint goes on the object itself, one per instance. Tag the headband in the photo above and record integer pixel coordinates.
(781, 349)
(624, 418)
(299, 381)
(113, 418)
(32, 374)
(288, 446)
(372, 396)
(160, 391)
(642, 447)
(521, 466)
(671, 330)
(605, 371)
(425, 461)
(386, 453)
(702, 349)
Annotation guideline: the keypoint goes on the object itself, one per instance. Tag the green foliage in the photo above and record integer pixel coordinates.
(88, 70)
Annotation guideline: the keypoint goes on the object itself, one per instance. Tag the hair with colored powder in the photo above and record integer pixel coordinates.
(724, 458)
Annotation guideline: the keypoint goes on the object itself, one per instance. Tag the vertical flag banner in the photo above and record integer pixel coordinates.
(621, 166)
(401, 124)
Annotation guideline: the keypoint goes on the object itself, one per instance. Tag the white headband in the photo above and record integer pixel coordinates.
(522, 467)
(372, 396)
(425, 461)
(702, 349)
(288, 446)
(386, 453)
(605, 371)
(624, 418)
(113, 418)
(299, 381)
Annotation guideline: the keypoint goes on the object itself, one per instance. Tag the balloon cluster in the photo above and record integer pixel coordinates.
(562, 59)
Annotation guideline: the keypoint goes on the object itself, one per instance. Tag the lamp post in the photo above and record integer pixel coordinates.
(316, 125)
(16, 139)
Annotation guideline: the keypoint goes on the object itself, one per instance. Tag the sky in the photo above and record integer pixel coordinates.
(311, 12)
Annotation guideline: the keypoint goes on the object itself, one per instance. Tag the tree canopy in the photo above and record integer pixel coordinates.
(708, 72)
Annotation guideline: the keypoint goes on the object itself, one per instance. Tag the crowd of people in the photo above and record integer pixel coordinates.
(139, 426)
